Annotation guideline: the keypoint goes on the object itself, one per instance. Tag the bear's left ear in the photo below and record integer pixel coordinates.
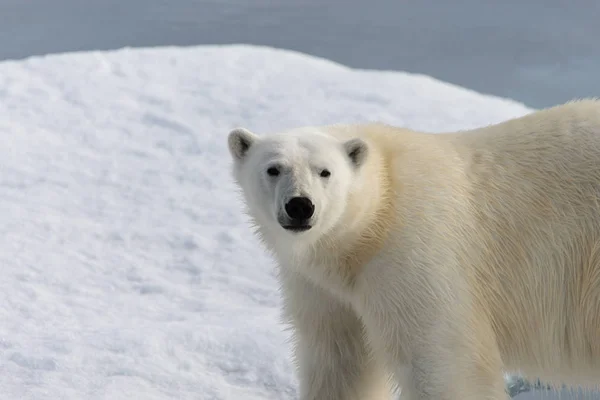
(239, 141)
(357, 151)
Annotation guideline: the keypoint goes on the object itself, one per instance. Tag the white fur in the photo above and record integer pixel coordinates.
(436, 260)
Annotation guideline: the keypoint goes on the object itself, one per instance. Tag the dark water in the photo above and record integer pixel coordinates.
(540, 52)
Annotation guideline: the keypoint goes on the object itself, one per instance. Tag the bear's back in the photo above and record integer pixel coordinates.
(535, 190)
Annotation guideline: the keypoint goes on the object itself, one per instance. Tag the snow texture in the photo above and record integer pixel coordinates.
(128, 268)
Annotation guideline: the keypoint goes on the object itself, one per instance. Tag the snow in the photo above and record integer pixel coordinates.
(128, 268)
(563, 394)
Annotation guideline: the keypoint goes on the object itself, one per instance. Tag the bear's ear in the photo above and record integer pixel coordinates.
(357, 150)
(239, 142)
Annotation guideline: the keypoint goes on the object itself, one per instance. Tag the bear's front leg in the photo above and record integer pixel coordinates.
(445, 375)
(443, 351)
(332, 356)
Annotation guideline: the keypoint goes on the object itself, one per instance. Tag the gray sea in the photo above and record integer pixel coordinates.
(540, 52)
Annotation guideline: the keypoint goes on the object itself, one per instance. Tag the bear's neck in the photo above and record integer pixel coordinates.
(369, 220)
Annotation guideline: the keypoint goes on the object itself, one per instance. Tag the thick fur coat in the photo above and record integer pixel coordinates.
(434, 262)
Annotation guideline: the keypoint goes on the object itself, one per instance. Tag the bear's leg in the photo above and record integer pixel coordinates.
(476, 383)
(456, 364)
(333, 359)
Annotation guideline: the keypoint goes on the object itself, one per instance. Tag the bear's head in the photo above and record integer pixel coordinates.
(296, 184)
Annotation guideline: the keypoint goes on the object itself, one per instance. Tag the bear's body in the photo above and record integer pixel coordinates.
(437, 260)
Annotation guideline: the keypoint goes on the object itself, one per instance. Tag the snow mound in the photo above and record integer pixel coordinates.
(128, 269)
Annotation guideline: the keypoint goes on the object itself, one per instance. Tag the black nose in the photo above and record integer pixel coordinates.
(300, 208)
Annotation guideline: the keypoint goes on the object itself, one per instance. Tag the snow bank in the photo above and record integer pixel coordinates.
(127, 267)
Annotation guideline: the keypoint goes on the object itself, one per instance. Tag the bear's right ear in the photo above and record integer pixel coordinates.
(239, 142)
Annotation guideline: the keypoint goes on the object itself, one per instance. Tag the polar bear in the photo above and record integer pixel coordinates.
(433, 262)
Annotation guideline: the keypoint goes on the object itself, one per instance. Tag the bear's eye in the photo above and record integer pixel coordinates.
(325, 173)
(273, 171)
